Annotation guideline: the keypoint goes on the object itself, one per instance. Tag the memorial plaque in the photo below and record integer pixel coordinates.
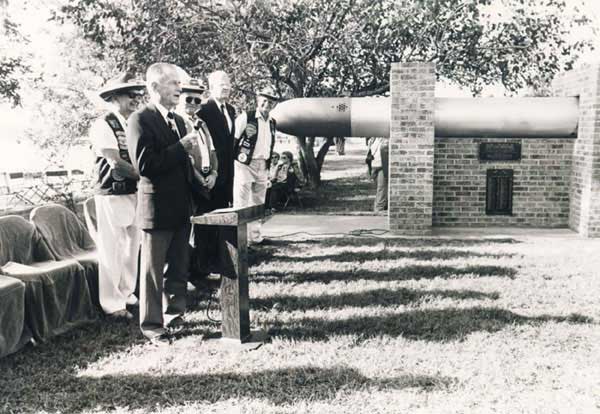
(499, 151)
(499, 192)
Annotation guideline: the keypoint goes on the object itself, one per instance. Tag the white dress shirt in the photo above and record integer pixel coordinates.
(262, 148)
(376, 153)
(165, 114)
(102, 136)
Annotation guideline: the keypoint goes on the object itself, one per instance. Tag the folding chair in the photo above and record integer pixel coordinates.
(293, 192)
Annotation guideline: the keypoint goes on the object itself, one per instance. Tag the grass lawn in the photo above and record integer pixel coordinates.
(356, 325)
(345, 187)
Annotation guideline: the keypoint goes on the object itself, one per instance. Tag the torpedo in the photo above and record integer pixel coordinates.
(539, 117)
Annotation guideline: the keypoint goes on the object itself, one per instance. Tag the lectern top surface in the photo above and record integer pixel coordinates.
(230, 216)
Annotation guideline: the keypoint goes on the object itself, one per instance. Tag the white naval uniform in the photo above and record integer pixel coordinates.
(250, 181)
(118, 236)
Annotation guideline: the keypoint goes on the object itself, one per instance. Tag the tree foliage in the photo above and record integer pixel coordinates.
(49, 70)
(337, 47)
(12, 65)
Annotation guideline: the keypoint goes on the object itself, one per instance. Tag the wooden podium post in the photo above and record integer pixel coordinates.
(233, 258)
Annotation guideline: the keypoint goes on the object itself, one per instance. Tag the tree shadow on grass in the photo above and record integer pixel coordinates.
(438, 325)
(414, 272)
(425, 255)
(34, 369)
(276, 248)
(278, 386)
(375, 297)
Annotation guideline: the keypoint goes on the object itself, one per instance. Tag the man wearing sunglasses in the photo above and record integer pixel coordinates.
(204, 156)
(206, 166)
(118, 238)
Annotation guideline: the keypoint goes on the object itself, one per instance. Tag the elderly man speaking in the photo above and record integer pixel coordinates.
(160, 150)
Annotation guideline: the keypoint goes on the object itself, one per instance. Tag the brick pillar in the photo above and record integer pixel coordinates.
(584, 192)
(411, 148)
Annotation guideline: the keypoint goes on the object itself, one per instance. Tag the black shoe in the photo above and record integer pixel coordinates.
(121, 315)
(177, 321)
(206, 284)
(176, 305)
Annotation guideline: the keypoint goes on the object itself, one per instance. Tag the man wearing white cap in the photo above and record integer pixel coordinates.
(255, 139)
(115, 197)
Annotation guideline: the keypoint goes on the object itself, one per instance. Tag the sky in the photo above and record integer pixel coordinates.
(15, 156)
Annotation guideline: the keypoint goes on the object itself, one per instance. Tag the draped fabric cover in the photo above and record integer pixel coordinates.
(57, 297)
(64, 233)
(68, 238)
(91, 219)
(13, 331)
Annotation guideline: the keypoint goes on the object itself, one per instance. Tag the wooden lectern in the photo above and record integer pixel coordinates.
(233, 259)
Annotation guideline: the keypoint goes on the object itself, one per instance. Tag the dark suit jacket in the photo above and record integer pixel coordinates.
(223, 141)
(166, 184)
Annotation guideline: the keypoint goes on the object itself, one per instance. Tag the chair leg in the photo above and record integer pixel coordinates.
(286, 202)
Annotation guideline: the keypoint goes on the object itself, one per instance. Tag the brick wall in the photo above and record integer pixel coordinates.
(585, 174)
(556, 182)
(540, 186)
(411, 148)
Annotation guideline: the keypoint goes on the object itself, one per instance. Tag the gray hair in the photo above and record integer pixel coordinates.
(215, 76)
(157, 71)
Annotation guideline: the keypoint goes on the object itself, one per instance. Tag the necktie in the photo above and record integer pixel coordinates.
(226, 115)
(171, 122)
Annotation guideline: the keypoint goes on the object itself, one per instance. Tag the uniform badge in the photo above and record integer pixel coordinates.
(114, 124)
(116, 176)
(242, 157)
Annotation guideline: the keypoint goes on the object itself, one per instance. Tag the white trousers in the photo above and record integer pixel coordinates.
(249, 189)
(118, 247)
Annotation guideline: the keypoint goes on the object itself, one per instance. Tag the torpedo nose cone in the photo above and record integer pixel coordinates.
(327, 117)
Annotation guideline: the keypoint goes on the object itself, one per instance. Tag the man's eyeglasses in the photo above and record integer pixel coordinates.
(190, 99)
(135, 95)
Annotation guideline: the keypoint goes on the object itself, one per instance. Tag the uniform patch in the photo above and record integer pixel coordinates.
(114, 123)
(116, 176)
(251, 130)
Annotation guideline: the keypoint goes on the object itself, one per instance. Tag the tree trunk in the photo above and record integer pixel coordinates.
(313, 164)
(323, 152)
(313, 173)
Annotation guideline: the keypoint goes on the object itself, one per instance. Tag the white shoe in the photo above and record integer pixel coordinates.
(132, 300)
